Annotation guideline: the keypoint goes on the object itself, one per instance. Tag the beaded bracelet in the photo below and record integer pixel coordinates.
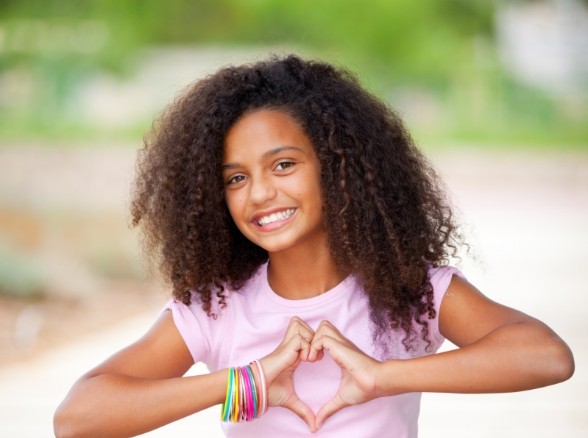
(244, 401)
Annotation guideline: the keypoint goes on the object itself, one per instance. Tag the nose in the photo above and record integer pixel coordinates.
(262, 189)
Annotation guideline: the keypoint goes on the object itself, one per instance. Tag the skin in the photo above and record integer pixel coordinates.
(269, 167)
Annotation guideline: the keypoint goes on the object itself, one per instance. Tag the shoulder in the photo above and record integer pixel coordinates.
(467, 315)
(440, 278)
(201, 330)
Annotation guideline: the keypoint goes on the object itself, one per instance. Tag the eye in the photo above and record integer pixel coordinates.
(283, 165)
(235, 179)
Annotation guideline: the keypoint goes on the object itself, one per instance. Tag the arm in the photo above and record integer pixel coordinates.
(501, 350)
(139, 388)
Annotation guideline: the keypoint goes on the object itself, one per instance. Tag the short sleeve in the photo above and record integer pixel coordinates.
(440, 277)
(194, 327)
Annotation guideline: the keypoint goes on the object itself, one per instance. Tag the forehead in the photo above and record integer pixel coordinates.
(264, 129)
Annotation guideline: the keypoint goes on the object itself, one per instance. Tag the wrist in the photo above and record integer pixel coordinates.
(389, 378)
(258, 372)
(246, 396)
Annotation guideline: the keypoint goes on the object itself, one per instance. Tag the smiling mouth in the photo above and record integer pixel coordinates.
(275, 217)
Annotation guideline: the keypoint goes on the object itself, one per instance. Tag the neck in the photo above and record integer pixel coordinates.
(303, 274)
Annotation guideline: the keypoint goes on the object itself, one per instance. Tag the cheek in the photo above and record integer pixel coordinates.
(233, 204)
(317, 192)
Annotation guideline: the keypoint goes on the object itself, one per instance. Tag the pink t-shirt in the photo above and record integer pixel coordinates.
(253, 324)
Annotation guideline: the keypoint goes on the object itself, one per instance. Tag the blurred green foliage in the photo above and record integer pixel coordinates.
(406, 39)
(442, 51)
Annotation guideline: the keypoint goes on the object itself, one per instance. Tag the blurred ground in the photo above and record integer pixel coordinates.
(68, 262)
(526, 216)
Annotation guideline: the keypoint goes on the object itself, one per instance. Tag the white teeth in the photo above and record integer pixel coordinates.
(274, 217)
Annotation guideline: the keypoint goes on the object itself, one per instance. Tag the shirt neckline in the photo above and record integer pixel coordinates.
(347, 284)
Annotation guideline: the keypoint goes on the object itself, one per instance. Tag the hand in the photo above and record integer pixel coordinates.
(358, 370)
(279, 367)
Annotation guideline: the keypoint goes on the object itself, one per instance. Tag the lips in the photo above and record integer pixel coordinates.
(278, 216)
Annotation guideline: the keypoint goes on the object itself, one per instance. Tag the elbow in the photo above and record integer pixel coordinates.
(63, 425)
(561, 363)
(566, 365)
(67, 424)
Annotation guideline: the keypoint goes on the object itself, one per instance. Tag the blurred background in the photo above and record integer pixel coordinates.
(488, 71)
(495, 92)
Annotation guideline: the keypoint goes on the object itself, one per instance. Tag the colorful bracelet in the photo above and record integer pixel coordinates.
(263, 395)
(244, 400)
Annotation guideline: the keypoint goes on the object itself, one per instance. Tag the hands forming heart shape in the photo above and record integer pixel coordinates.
(302, 344)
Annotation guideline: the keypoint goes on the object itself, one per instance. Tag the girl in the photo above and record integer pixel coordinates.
(306, 241)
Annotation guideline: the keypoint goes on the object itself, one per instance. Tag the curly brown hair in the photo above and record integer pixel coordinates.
(386, 218)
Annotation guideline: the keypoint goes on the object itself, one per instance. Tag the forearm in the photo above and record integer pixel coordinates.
(112, 405)
(516, 357)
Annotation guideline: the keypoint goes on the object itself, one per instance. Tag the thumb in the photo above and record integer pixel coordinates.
(304, 412)
(328, 409)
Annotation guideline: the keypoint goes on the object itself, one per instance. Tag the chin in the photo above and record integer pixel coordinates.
(275, 245)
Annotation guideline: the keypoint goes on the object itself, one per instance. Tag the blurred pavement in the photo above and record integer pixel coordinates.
(526, 216)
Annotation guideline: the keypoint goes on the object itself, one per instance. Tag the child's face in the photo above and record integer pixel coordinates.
(272, 182)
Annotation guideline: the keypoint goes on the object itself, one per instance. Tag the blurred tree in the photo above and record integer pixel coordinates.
(444, 50)
(425, 39)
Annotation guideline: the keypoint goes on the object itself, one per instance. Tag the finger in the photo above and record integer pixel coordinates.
(307, 334)
(294, 348)
(304, 324)
(287, 355)
(298, 327)
(321, 342)
(304, 412)
(315, 351)
(297, 322)
(329, 330)
(341, 351)
(326, 328)
(303, 345)
(328, 410)
(318, 345)
(317, 355)
(355, 364)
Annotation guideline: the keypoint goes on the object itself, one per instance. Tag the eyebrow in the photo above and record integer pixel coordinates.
(267, 154)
